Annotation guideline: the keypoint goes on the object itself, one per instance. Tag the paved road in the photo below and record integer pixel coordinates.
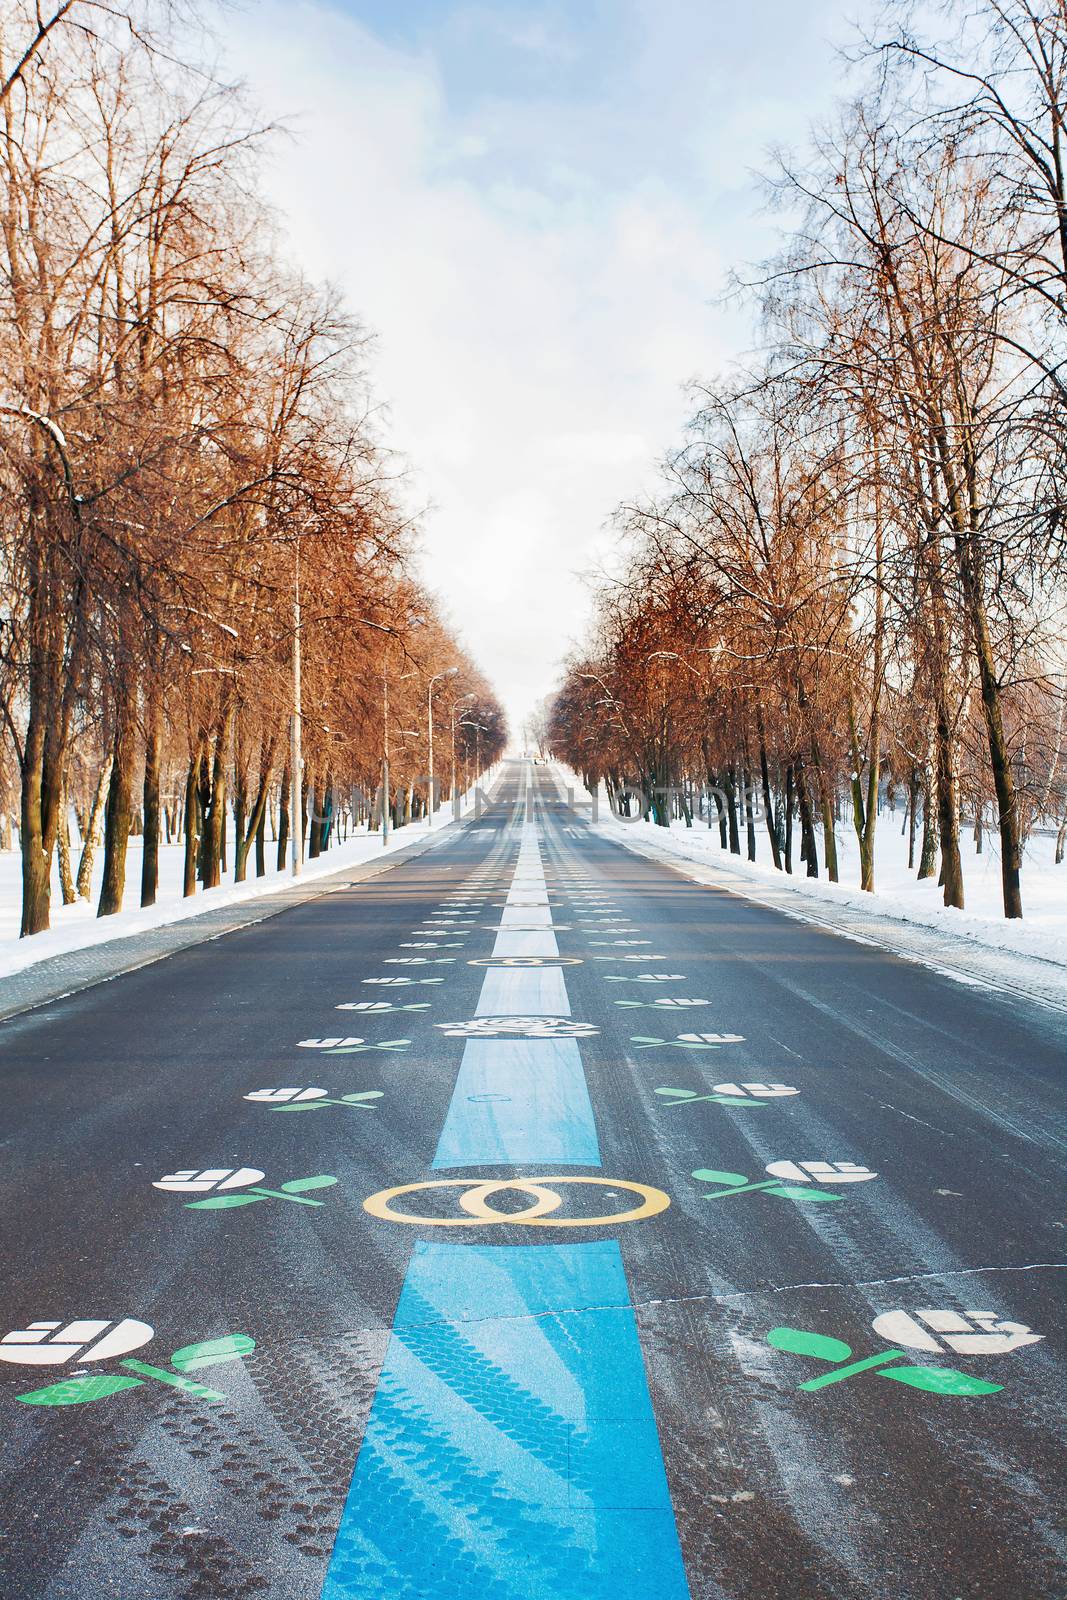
(784, 1317)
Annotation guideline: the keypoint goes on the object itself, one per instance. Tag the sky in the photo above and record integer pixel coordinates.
(535, 208)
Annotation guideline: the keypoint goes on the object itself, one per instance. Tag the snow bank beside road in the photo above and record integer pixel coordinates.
(899, 898)
(77, 927)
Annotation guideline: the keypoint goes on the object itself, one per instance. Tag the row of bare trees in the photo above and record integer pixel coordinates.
(853, 577)
(186, 450)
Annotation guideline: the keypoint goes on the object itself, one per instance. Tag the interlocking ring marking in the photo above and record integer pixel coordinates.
(539, 1214)
(525, 961)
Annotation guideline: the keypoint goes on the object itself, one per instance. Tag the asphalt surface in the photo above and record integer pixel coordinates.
(946, 1479)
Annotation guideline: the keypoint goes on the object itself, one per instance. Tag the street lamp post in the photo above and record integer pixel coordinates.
(449, 672)
(479, 729)
(455, 792)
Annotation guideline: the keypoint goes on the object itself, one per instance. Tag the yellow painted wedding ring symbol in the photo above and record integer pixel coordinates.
(545, 1201)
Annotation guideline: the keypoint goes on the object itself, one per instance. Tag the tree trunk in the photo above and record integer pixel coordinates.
(730, 785)
(153, 745)
(90, 836)
(809, 853)
(66, 882)
(789, 818)
(215, 826)
(826, 808)
(913, 800)
(261, 844)
(254, 829)
(192, 812)
(283, 817)
(119, 805)
(948, 815)
(768, 802)
(928, 852)
(1008, 820)
(315, 832)
(750, 820)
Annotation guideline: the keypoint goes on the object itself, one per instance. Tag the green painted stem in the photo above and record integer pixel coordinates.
(748, 1188)
(276, 1194)
(856, 1366)
(177, 1382)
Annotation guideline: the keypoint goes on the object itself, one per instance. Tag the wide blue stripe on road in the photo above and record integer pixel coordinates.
(518, 1101)
(511, 1451)
(523, 992)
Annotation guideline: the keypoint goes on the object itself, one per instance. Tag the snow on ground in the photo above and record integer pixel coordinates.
(899, 896)
(76, 927)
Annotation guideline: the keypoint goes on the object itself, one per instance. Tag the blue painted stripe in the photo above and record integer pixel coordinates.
(510, 943)
(511, 1451)
(523, 992)
(516, 1102)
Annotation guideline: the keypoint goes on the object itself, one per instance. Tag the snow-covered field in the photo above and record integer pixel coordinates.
(77, 926)
(1042, 934)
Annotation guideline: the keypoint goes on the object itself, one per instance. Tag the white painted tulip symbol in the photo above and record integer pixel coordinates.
(53, 1344)
(972, 1333)
(287, 1096)
(193, 1182)
(329, 1043)
(820, 1171)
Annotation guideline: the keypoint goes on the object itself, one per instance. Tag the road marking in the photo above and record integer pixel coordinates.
(598, 1523)
(824, 1171)
(212, 1180)
(541, 1213)
(382, 1005)
(689, 1097)
(975, 1333)
(934, 1380)
(686, 1041)
(525, 961)
(54, 1344)
(314, 1099)
(340, 1046)
(674, 1003)
(644, 977)
(524, 991)
(546, 1117)
(528, 1027)
(81, 1389)
(729, 1184)
(511, 1438)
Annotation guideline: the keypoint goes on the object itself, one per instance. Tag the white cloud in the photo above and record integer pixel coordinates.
(535, 321)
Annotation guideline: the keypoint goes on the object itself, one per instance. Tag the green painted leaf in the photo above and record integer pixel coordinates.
(681, 1094)
(941, 1380)
(223, 1202)
(793, 1191)
(210, 1352)
(302, 1185)
(643, 1038)
(78, 1391)
(801, 1343)
(365, 1094)
(734, 1100)
(305, 1105)
(732, 1180)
